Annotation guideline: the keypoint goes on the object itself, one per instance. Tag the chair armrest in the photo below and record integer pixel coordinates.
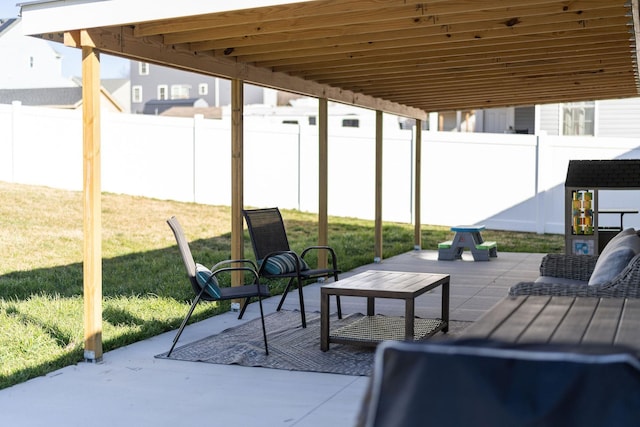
(553, 289)
(243, 262)
(334, 259)
(577, 267)
(230, 265)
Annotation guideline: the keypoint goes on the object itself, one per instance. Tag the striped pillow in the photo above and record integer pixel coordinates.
(206, 280)
(283, 264)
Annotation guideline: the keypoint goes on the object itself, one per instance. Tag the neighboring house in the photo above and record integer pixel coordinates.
(159, 106)
(31, 73)
(56, 97)
(607, 118)
(120, 90)
(28, 62)
(152, 83)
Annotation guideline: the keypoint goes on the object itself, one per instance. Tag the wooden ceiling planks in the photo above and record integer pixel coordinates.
(426, 56)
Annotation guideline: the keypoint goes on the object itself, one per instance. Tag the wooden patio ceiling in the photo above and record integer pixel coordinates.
(404, 57)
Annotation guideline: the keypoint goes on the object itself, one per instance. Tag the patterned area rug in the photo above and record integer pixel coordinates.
(290, 346)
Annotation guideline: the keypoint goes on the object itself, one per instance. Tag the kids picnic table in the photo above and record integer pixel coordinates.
(467, 237)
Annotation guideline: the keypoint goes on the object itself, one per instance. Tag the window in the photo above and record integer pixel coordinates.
(312, 120)
(578, 118)
(203, 89)
(136, 93)
(180, 91)
(163, 92)
(31, 62)
(143, 68)
(350, 123)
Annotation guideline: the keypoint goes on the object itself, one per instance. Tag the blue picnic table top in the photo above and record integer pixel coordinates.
(468, 228)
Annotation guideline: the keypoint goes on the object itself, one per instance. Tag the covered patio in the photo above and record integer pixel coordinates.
(131, 387)
(394, 57)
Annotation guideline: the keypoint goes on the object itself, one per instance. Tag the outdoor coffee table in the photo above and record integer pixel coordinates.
(372, 328)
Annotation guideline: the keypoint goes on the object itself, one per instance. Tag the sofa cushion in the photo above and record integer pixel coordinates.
(615, 257)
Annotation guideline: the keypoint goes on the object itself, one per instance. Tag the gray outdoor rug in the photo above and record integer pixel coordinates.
(290, 346)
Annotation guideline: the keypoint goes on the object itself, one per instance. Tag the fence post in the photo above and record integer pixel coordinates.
(16, 112)
(198, 123)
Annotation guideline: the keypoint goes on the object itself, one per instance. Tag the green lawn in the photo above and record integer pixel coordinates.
(144, 287)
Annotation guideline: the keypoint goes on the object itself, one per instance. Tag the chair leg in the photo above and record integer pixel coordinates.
(285, 293)
(244, 307)
(184, 323)
(264, 328)
(301, 296)
(338, 305)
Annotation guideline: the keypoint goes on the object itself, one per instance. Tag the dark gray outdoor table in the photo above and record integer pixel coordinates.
(372, 329)
(566, 320)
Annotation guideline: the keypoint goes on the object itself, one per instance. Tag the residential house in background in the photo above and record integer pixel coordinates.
(28, 62)
(608, 118)
(162, 87)
(32, 74)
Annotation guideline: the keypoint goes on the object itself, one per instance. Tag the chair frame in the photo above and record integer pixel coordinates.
(244, 292)
(269, 238)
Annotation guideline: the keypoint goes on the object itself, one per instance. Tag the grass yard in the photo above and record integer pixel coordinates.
(144, 286)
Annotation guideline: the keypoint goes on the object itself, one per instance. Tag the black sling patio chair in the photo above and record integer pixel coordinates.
(204, 282)
(276, 260)
(475, 382)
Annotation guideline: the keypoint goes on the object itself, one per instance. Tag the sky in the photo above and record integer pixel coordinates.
(111, 67)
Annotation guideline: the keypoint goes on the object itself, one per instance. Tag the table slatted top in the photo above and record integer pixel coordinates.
(566, 320)
(386, 284)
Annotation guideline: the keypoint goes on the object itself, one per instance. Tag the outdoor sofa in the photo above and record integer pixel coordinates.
(613, 273)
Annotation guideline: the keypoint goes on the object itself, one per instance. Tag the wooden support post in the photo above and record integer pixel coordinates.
(92, 215)
(237, 175)
(417, 234)
(323, 161)
(378, 208)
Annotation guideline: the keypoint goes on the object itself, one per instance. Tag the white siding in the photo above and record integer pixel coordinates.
(550, 119)
(618, 118)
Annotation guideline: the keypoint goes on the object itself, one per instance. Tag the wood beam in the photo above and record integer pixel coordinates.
(378, 190)
(417, 199)
(120, 42)
(92, 213)
(237, 175)
(323, 178)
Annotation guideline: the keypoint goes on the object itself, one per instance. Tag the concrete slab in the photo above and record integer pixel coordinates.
(131, 387)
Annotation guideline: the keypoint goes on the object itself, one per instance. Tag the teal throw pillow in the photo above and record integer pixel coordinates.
(283, 264)
(206, 280)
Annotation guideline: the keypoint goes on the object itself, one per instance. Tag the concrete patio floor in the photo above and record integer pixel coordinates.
(130, 387)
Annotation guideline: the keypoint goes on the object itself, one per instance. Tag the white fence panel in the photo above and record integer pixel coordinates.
(505, 181)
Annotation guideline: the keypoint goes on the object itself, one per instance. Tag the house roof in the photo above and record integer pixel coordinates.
(395, 56)
(158, 106)
(591, 174)
(69, 97)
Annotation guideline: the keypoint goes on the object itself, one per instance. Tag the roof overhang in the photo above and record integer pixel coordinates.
(394, 56)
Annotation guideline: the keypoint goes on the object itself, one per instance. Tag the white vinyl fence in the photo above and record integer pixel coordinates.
(505, 181)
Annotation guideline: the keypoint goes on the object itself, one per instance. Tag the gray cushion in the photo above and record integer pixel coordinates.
(615, 257)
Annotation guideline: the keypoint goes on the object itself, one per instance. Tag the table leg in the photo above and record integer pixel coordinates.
(445, 305)
(324, 320)
(409, 315)
(371, 306)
